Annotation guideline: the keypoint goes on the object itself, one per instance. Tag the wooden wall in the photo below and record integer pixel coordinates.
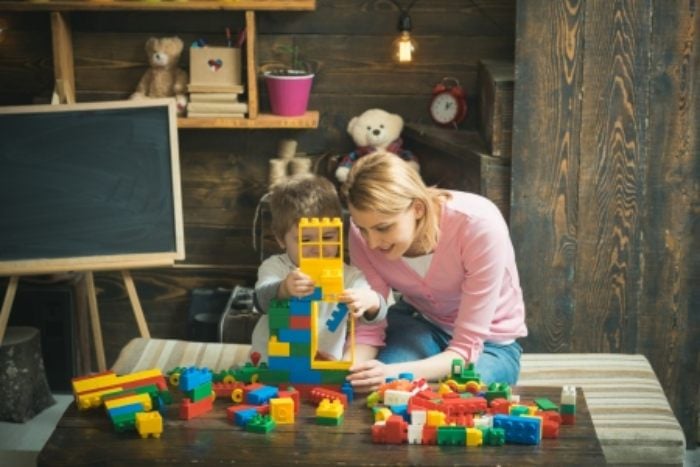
(605, 183)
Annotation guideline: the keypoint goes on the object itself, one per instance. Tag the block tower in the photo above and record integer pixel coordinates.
(293, 345)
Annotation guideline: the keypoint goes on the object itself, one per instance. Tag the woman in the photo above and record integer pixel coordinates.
(449, 256)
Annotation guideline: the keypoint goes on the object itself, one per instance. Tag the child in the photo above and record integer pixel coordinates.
(279, 276)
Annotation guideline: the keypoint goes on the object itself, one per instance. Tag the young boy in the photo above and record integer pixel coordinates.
(279, 276)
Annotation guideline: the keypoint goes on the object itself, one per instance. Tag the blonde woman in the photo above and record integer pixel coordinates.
(450, 257)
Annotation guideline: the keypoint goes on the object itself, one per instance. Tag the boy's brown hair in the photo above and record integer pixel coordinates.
(305, 195)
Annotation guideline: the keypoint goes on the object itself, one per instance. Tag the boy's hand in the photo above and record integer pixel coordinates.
(296, 284)
(361, 302)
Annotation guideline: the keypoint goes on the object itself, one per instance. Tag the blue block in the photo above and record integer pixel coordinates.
(519, 430)
(290, 364)
(337, 317)
(242, 417)
(125, 409)
(192, 377)
(262, 395)
(298, 336)
(299, 307)
(346, 389)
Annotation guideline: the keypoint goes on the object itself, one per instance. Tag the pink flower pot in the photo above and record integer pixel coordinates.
(289, 95)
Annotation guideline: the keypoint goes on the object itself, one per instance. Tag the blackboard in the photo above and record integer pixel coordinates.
(89, 186)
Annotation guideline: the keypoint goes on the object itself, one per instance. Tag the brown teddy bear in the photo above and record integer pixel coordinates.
(164, 78)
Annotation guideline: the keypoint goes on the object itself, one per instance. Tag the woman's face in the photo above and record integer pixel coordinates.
(390, 234)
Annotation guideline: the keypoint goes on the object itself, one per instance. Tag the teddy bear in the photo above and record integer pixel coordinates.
(373, 130)
(164, 78)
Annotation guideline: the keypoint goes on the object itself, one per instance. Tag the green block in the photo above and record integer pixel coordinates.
(124, 422)
(329, 421)
(452, 435)
(299, 349)
(260, 424)
(333, 376)
(545, 404)
(521, 410)
(274, 376)
(567, 409)
(200, 392)
(278, 314)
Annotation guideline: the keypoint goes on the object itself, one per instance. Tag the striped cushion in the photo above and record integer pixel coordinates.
(631, 415)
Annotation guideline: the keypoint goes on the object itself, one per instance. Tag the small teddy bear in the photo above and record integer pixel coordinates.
(373, 130)
(164, 78)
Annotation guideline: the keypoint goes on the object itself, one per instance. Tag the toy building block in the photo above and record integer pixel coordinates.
(282, 410)
(381, 414)
(330, 409)
(261, 395)
(190, 378)
(326, 271)
(93, 382)
(144, 399)
(320, 393)
(519, 430)
(225, 390)
(396, 397)
(568, 395)
(346, 388)
(190, 410)
(240, 414)
(201, 391)
(260, 424)
(451, 435)
(545, 404)
(337, 316)
(299, 322)
(494, 436)
(149, 424)
(292, 393)
(415, 434)
(277, 348)
(475, 437)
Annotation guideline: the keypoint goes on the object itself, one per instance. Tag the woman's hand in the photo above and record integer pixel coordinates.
(361, 302)
(368, 376)
(296, 284)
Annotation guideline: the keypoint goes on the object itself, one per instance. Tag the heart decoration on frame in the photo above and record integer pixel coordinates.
(215, 65)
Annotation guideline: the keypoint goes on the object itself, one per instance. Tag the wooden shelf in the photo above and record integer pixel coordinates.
(262, 121)
(75, 5)
(64, 69)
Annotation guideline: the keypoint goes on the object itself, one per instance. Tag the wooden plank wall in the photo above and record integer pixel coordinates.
(605, 183)
(224, 173)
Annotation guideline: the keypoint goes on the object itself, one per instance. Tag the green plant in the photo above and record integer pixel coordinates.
(294, 65)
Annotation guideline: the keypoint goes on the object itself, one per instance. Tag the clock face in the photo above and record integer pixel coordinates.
(444, 108)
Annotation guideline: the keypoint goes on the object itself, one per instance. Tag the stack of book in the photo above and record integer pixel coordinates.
(216, 101)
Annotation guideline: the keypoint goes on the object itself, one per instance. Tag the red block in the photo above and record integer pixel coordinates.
(319, 393)
(429, 435)
(190, 410)
(500, 405)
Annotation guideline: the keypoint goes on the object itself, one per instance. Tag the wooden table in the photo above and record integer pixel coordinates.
(87, 438)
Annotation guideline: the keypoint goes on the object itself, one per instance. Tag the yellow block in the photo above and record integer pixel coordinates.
(330, 409)
(475, 437)
(144, 399)
(282, 410)
(149, 423)
(275, 348)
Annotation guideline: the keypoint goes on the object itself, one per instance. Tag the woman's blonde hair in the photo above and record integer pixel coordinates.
(305, 195)
(385, 183)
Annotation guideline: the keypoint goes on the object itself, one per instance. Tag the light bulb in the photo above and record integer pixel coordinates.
(404, 47)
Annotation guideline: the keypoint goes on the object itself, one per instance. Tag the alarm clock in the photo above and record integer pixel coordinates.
(448, 104)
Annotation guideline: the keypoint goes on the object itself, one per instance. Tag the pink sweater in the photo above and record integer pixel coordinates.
(471, 289)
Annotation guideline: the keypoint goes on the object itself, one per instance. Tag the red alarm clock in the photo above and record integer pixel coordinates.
(448, 104)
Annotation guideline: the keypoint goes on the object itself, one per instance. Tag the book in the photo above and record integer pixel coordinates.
(238, 88)
(214, 97)
(214, 115)
(220, 107)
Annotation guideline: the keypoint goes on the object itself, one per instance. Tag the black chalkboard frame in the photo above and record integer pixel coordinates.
(160, 144)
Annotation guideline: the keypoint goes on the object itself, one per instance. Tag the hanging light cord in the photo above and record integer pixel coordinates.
(404, 11)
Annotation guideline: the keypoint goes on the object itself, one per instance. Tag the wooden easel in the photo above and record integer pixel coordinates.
(89, 284)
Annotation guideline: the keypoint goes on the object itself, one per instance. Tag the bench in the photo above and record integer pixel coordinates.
(630, 413)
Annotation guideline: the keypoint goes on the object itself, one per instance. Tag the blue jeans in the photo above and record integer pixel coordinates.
(409, 336)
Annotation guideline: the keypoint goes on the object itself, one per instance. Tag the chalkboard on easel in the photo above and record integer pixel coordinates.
(89, 187)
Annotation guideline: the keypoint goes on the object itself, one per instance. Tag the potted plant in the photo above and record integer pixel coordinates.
(289, 87)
